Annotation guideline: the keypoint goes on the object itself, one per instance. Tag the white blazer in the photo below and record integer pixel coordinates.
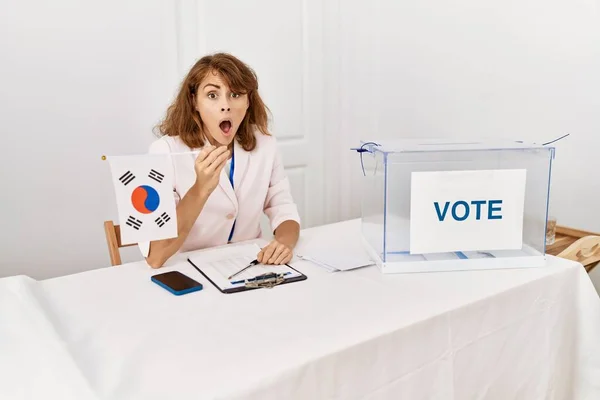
(260, 183)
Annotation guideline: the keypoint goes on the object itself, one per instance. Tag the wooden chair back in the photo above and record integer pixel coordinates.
(113, 241)
(585, 250)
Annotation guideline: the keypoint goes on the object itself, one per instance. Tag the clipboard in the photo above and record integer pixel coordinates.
(247, 287)
(270, 278)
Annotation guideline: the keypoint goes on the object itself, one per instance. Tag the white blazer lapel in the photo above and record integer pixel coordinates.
(226, 186)
(242, 159)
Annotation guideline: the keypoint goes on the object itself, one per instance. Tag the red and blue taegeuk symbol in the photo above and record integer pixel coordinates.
(145, 199)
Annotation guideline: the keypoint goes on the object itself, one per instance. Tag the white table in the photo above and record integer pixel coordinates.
(113, 334)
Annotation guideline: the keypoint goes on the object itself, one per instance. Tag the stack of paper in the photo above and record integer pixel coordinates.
(338, 258)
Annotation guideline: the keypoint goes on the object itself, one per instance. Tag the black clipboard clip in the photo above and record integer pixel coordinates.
(268, 281)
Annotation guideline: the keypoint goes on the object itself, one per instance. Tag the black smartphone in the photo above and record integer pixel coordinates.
(176, 282)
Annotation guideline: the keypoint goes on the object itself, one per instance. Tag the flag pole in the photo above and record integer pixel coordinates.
(104, 157)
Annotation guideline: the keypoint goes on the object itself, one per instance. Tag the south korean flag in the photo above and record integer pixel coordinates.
(144, 192)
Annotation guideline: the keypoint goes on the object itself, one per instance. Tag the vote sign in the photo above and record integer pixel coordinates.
(467, 210)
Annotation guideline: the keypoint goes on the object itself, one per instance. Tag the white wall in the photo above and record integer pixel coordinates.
(525, 69)
(77, 80)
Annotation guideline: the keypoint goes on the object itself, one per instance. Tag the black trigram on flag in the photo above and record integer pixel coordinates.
(164, 218)
(157, 176)
(134, 223)
(127, 178)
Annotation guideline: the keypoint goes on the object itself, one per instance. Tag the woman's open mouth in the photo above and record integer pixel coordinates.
(225, 126)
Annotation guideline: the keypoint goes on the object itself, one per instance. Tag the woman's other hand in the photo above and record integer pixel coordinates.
(275, 253)
(208, 166)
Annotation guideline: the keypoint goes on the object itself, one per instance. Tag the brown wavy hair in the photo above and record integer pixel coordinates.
(182, 118)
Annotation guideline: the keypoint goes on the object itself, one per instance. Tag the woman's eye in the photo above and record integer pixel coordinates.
(212, 95)
(235, 95)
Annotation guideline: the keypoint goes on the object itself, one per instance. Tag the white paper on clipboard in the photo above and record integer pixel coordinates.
(220, 263)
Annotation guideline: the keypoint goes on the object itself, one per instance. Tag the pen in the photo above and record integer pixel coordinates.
(253, 279)
(253, 263)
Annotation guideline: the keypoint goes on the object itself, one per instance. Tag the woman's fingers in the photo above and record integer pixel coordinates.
(210, 159)
(212, 156)
(214, 175)
(284, 258)
(276, 254)
(218, 163)
(204, 153)
(221, 166)
(266, 253)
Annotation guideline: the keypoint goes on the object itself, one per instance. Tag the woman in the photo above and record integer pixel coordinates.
(222, 192)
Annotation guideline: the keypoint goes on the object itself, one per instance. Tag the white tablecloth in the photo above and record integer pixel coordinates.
(113, 334)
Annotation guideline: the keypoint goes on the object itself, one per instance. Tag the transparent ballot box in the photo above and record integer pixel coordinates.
(440, 206)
